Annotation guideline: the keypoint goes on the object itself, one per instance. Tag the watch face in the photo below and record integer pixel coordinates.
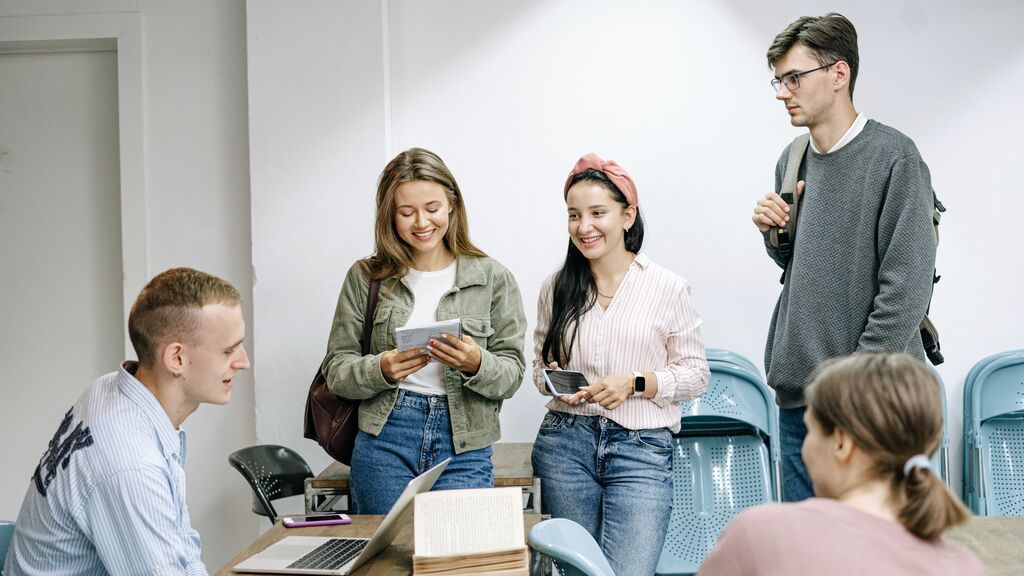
(639, 383)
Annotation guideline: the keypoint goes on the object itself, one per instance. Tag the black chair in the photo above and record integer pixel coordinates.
(272, 472)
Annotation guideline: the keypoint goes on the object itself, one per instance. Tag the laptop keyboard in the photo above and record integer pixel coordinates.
(331, 555)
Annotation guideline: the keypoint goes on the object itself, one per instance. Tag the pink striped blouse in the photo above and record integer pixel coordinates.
(650, 326)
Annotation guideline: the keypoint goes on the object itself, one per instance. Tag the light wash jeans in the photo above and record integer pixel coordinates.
(796, 482)
(615, 482)
(417, 435)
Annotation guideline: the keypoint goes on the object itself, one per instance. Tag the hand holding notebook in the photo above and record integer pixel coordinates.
(410, 337)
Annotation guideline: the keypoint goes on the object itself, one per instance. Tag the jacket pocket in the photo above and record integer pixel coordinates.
(380, 340)
(479, 329)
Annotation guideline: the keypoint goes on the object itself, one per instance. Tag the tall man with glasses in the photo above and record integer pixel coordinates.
(859, 275)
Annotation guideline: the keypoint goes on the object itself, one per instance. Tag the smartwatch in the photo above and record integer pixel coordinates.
(639, 383)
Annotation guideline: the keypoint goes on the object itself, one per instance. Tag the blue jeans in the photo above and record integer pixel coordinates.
(615, 482)
(796, 482)
(417, 435)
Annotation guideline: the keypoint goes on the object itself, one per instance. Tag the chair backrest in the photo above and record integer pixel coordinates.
(994, 436)
(272, 472)
(713, 479)
(6, 533)
(725, 459)
(723, 355)
(734, 393)
(570, 547)
(970, 449)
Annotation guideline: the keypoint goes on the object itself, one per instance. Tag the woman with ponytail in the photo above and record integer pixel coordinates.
(872, 420)
(604, 453)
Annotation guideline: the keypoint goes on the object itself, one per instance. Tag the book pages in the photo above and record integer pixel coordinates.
(466, 522)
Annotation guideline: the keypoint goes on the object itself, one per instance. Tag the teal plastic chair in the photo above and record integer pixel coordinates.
(725, 459)
(272, 472)
(994, 436)
(6, 533)
(728, 356)
(570, 547)
(970, 447)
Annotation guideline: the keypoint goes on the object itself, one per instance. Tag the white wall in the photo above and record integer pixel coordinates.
(197, 214)
(511, 93)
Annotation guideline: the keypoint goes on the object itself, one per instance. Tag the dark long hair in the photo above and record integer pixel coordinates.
(575, 290)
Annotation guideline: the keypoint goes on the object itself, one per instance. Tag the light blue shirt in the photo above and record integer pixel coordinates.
(108, 496)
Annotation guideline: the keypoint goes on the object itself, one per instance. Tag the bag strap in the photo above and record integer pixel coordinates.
(371, 309)
(784, 237)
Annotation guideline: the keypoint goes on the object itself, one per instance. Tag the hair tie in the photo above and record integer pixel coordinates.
(918, 461)
(617, 174)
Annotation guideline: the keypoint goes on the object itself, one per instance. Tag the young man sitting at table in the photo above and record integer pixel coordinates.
(108, 495)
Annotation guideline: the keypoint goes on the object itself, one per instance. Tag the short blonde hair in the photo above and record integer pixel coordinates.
(168, 309)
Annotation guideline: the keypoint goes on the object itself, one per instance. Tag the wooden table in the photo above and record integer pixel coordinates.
(512, 467)
(395, 560)
(996, 540)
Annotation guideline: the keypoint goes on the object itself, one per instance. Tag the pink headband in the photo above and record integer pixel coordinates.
(617, 174)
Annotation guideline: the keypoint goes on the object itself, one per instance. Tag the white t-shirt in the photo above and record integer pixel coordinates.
(427, 289)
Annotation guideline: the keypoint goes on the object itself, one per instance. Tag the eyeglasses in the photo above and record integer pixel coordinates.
(792, 80)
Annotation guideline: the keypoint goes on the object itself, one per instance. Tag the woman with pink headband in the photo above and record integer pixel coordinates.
(603, 452)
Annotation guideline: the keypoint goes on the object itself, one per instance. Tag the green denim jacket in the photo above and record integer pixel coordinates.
(486, 298)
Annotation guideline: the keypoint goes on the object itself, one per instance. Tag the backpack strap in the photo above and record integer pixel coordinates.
(784, 237)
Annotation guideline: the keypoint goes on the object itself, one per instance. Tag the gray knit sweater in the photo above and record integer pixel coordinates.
(861, 273)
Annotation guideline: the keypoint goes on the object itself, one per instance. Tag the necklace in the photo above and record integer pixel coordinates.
(604, 295)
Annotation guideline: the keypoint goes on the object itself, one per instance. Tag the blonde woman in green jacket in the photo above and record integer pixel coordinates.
(424, 405)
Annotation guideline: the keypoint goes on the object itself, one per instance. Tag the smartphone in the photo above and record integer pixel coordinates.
(315, 520)
(564, 382)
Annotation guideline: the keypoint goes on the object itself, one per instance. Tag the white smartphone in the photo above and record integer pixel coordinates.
(564, 382)
(315, 520)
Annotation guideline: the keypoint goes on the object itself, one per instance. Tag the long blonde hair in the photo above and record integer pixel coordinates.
(891, 405)
(392, 256)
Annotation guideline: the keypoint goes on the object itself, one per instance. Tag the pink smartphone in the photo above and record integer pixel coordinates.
(315, 520)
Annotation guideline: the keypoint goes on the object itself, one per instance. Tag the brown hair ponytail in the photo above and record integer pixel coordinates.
(891, 405)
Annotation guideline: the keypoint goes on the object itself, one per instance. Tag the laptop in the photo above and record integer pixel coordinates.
(324, 555)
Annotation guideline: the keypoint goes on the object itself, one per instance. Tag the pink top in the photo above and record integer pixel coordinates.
(822, 536)
(650, 326)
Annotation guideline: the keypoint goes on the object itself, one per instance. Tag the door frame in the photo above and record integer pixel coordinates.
(121, 32)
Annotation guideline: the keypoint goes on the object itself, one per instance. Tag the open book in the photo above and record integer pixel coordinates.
(470, 532)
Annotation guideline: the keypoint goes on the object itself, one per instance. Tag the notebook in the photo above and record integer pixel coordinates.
(324, 555)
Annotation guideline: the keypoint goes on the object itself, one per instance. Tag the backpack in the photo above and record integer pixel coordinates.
(784, 239)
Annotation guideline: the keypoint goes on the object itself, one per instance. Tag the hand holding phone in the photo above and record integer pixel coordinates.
(315, 520)
(564, 382)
